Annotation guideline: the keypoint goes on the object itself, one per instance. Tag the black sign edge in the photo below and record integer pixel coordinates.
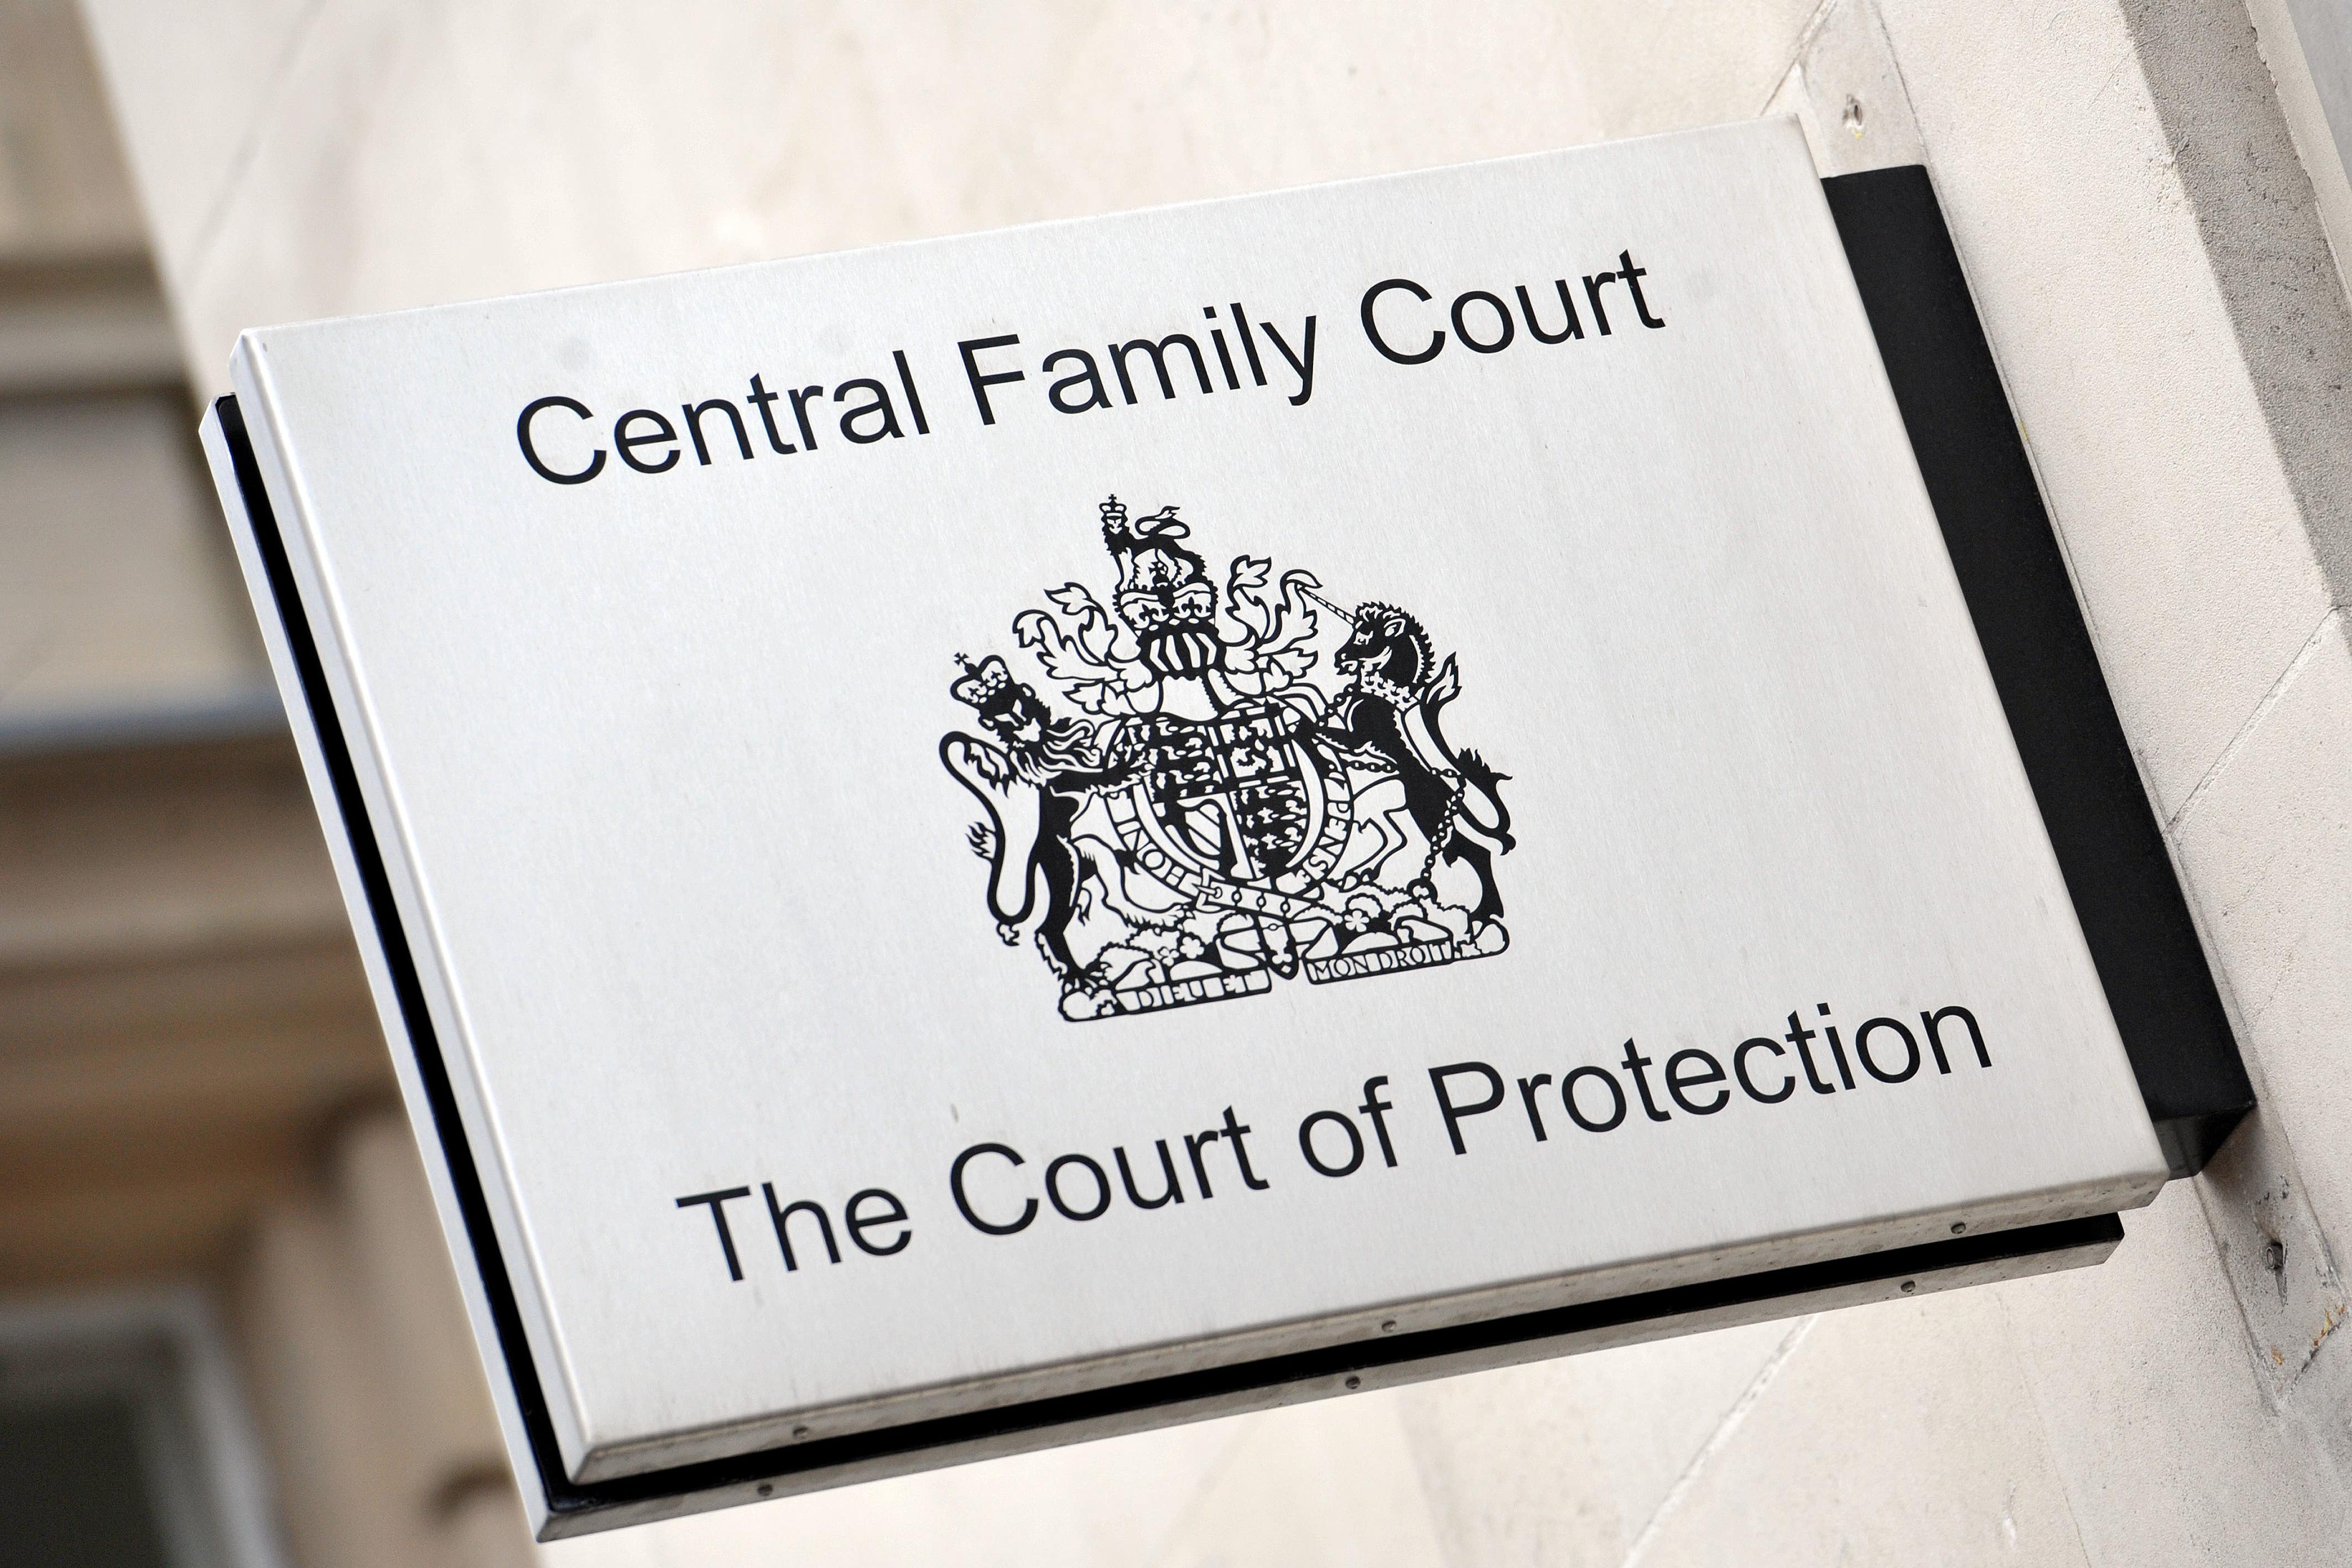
(2111, 850)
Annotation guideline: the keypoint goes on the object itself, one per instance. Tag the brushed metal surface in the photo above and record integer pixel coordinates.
(653, 761)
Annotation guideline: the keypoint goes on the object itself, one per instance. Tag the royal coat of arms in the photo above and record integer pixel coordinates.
(1210, 818)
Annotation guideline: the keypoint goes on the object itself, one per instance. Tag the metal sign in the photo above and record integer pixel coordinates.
(1013, 837)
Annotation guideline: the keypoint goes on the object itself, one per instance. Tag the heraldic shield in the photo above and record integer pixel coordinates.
(1213, 819)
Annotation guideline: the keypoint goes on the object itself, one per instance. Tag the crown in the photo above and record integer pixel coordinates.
(981, 685)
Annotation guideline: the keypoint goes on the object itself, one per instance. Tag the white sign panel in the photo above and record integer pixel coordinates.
(994, 822)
